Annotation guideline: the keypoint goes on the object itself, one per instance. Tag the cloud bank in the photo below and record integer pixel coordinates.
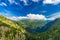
(55, 2)
(54, 16)
(24, 1)
(36, 17)
(35, 0)
(3, 4)
(29, 16)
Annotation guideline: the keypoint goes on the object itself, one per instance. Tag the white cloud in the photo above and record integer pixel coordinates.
(29, 16)
(3, 4)
(51, 2)
(35, 0)
(25, 2)
(17, 18)
(54, 16)
(13, 18)
(11, 1)
(36, 16)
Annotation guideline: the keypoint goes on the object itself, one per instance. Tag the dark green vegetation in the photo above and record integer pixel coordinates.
(49, 31)
(32, 25)
(27, 29)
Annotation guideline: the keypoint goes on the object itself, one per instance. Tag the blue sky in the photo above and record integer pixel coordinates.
(22, 8)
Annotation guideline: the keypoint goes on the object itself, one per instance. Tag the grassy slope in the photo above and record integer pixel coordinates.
(11, 23)
(9, 30)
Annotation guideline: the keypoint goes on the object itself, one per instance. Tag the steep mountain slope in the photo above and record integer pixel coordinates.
(11, 23)
(31, 25)
(51, 31)
(9, 30)
(55, 23)
(54, 29)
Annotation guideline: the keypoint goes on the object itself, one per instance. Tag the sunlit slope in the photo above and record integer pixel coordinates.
(11, 23)
(9, 30)
(10, 33)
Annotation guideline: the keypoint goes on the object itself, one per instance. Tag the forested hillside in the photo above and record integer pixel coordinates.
(9, 30)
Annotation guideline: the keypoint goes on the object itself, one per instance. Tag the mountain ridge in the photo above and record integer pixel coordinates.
(10, 30)
(10, 22)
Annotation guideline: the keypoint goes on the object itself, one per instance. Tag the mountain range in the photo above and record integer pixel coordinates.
(26, 29)
(31, 25)
(41, 30)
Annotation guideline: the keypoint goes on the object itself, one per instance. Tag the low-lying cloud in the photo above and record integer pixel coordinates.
(54, 16)
(37, 17)
(51, 2)
(29, 16)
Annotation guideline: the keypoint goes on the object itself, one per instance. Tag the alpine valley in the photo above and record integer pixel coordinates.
(29, 29)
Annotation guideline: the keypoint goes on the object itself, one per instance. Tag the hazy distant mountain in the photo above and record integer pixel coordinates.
(51, 31)
(31, 25)
(41, 30)
(38, 26)
(52, 24)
